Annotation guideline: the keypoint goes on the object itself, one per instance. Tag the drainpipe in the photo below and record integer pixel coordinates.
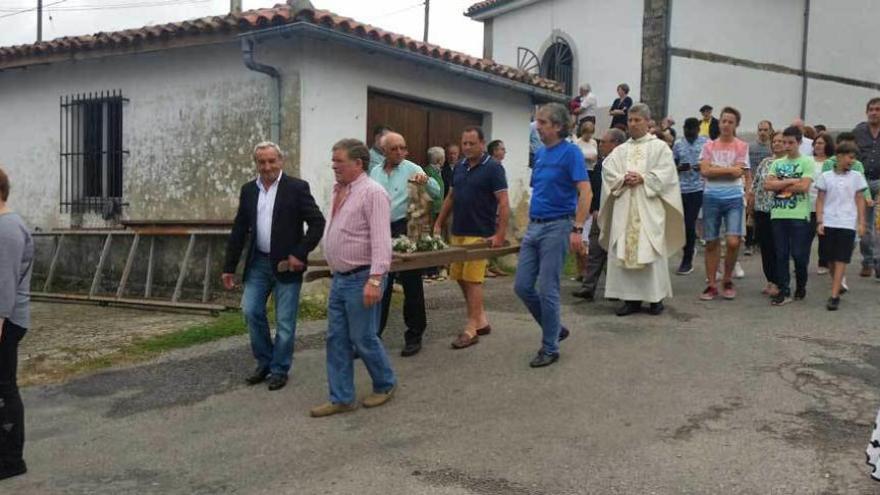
(804, 59)
(247, 53)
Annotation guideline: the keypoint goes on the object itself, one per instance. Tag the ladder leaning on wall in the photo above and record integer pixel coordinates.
(139, 231)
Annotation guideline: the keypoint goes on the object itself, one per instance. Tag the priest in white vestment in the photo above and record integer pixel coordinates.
(641, 217)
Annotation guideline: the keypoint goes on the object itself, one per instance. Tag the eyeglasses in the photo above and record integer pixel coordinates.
(397, 148)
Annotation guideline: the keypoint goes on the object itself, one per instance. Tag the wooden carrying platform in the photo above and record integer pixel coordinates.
(414, 261)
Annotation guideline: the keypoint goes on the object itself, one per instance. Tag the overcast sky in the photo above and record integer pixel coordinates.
(449, 28)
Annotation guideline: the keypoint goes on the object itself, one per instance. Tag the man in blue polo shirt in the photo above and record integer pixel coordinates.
(478, 200)
(560, 202)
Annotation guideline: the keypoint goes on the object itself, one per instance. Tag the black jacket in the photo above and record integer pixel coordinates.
(294, 207)
(714, 130)
(596, 186)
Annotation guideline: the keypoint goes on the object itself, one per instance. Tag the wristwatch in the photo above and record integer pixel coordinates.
(577, 230)
(375, 282)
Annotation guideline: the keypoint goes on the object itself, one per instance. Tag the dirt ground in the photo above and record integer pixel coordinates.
(62, 334)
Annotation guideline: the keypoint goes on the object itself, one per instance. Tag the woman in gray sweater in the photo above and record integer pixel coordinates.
(16, 261)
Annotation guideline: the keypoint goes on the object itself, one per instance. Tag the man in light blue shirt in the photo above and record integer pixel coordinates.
(395, 175)
(686, 152)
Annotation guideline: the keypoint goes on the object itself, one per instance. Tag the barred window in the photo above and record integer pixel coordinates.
(558, 64)
(91, 152)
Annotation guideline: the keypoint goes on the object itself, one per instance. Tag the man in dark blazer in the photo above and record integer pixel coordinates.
(272, 210)
(709, 124)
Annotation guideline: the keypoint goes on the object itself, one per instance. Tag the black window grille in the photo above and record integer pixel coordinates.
(91, 151)
(558, 64)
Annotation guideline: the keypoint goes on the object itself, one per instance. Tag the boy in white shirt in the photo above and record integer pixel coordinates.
(840, 213)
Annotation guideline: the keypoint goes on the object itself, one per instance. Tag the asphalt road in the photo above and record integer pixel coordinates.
(720, 397)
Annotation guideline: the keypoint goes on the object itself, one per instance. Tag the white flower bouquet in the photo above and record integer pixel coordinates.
(404, 244)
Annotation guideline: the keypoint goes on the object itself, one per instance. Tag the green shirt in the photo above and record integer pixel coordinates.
(435, 174)
(787, 205)
(831, 164)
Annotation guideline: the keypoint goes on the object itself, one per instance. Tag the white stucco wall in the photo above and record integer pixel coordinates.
(189, 125)
(194, 115)
(756, 94)
(772, 32)
(843, 39)
(606, 38)
(838, 106)
(758, 30)
(334, 106)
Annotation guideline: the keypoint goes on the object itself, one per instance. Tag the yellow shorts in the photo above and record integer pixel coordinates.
(467, 271)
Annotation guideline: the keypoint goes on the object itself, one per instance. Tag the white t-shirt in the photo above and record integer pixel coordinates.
(806, 147)
(589, 104)
(590, 149)
(840, 210)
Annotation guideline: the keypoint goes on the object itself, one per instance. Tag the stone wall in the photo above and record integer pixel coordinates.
(655, 56)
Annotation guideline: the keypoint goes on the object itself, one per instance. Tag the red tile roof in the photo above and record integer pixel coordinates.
(234, 24)
(485, 5)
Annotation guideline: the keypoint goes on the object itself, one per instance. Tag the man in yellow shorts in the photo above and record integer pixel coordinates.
(478, 201)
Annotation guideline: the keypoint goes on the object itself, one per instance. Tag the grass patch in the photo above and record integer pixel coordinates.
(569, 269)
(227, 324)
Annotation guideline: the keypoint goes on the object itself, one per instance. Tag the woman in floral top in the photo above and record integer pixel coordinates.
(761, 201)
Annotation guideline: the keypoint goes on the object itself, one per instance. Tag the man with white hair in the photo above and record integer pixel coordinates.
(394, 175)
(273, 210)
(587, 109)
(641, 218)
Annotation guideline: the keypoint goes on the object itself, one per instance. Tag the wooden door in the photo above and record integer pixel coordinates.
(423, 125)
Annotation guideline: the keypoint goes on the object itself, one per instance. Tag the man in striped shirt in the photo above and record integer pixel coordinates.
(357, 247)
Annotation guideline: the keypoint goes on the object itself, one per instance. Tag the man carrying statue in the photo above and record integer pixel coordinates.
(641, 218)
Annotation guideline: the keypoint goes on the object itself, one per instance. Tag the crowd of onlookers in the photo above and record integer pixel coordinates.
(798, 151)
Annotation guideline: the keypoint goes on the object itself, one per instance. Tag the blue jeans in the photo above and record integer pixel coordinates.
(259, 283)
(792, 239)
(353, 327)
(867, 244)
(541, 257)
(728, 211)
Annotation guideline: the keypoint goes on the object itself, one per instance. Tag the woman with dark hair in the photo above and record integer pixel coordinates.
(620, 108)
(16, 261)
(761, 202)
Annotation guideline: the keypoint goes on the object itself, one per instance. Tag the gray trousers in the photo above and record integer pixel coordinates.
(867, 244)
(596, 260)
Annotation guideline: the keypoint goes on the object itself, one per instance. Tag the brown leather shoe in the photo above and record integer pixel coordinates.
(464, 340)
(376, 400)
(866, 271)
(329, 409)
(485, 330)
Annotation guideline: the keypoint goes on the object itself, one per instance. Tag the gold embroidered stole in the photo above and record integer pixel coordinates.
(635, 158)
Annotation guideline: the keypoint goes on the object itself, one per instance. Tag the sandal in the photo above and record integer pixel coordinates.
(464, 340)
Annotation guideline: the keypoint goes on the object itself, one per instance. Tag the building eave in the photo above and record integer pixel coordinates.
(492, 8)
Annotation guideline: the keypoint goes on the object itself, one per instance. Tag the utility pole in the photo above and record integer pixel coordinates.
(427, 17)
(235, 6)
(39, 21)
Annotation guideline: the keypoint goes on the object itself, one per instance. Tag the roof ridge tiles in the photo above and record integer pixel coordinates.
(280, 14)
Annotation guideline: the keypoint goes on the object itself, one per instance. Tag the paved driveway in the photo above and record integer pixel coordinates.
(721, 397)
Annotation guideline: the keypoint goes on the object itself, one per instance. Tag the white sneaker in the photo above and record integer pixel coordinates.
(738, 271)
(822, 271)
